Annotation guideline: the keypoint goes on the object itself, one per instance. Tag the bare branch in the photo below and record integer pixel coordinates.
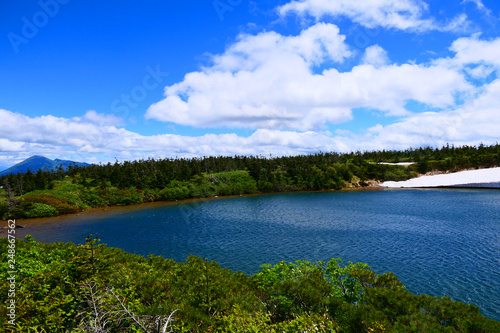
(130, 314)
(169, 320)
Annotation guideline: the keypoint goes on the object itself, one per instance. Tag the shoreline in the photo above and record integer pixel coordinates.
(414, 183)
(111, 210)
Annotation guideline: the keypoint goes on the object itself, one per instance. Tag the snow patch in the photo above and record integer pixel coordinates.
(483, 178)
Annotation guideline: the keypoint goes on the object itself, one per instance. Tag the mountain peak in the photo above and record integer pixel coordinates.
(36, 157)
(37, 162)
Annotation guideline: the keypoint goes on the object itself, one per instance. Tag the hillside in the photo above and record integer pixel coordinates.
(34, 163)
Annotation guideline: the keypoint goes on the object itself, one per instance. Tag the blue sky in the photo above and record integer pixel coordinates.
(94, 81)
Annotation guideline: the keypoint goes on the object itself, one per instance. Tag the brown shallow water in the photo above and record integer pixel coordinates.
(31, 226)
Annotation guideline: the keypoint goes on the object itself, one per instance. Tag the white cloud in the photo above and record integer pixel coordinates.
(259, 82)
(480, 72)
(458, 24)
(476, 57)
(480, 6)
(270, 81)
(314, 45)
(376, 56)
(476, 121)
(73, 139)
(407, 15)
(472, 50)
(55, 136)
(101, 119)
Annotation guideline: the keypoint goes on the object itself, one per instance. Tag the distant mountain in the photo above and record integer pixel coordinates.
(34, 163)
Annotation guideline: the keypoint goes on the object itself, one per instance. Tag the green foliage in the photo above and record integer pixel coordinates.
(26, 209)
(41, 205)
(45, 294)
(233, 182)
(62, 189)
(239, 320)
(41, 210)
(243, 321)
(346, 284)
(176, 190)
(112, 196)
(124, 197)
(69, 288)
(303, 287)
(150, 195)
(92, 198)
(4, 209)
(60, 204)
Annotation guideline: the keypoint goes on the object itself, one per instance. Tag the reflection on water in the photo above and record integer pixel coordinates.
(438, 242)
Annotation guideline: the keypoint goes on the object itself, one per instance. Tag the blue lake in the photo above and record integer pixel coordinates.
(438, 242)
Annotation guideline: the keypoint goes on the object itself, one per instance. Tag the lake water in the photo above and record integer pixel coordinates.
(438, 242)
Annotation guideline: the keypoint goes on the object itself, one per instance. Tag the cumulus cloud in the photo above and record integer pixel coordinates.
(406, 15)
(376, 56)
(259, 83)
(271, 81)
(472, 50)
(49, 129)
(75, 139)
(476, 121)
(477, 57)
(101, 119)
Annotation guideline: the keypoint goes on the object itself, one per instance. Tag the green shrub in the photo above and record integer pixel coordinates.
(176, 190)
(41, 210)
(150, 195)
(53, 285)
(92, 199)
(234, 182)
(126, 197)
(4, 208)
(60, 204)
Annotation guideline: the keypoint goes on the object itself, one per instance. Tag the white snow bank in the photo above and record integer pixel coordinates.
(487, 178)
(399, 163)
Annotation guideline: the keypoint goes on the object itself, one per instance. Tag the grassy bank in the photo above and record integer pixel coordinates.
(69, 196)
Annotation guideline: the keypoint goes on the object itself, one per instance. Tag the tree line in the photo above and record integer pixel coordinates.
(47, 193)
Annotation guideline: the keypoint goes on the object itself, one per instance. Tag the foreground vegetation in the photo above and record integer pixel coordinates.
(63, 287)
(47, 193)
